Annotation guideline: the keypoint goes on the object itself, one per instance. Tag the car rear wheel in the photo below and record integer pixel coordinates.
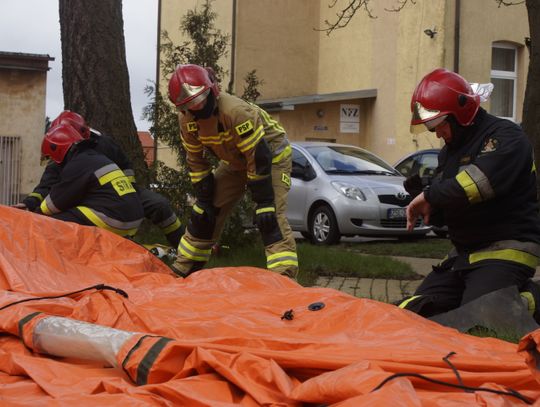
(324, 227)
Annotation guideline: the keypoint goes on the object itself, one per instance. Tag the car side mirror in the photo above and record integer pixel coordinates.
(304, 173)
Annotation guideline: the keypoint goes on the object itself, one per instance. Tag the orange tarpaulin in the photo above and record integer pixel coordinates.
(222, 336)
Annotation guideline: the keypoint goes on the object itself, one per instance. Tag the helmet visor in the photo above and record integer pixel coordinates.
(191, 96)
(424, 119)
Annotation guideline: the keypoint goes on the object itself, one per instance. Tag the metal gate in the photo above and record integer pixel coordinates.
(10, 170)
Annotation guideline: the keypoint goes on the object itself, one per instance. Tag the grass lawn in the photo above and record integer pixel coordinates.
(315, 261)
(429, 247)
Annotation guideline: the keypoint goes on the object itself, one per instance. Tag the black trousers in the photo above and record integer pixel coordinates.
(456, 282)
(158, 209)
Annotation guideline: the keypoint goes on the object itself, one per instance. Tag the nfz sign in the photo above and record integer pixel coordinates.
(349, 118)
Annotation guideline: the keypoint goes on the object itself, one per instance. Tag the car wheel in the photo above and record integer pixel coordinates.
(324, 227)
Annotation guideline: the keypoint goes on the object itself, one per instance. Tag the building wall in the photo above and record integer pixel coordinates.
(22, 109)
(389, 53)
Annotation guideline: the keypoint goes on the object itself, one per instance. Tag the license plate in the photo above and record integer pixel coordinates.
(397, 213)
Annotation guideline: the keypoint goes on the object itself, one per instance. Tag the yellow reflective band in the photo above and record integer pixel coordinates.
(191, 126)
(285, 153)
(219, 139)
(45, 209)
(92, 217)
(198, 176)
(131, 179)
(271, 122)
(198, 209)
(533, 169)
(470, 188)
(283, 263)
(243, 128)
(513, 255)
(264, 210)
(255, 177)
(36, 195)
(110, 176)
(281, 254)
(251, 141)
(407, 301)
(531, 304)
(193, 253)
(192, 148)
(172, 227)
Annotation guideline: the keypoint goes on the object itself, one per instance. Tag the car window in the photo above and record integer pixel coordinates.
(406, 166)
(301, 168)
(349, 160)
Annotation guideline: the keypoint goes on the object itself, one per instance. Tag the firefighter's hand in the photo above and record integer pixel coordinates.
(413, 185)
(418, 207)
(20, 205)
(265, 218)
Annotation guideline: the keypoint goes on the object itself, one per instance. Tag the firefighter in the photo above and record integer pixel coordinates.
(156, 207)
(92, 190)
(253, 151)
(484, 189)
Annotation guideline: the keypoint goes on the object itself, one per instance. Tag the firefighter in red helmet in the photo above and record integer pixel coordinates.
(91, 189)
(156, 207)
(484, 190)
(253, 151)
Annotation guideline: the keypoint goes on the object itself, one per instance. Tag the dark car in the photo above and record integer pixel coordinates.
(423, 163)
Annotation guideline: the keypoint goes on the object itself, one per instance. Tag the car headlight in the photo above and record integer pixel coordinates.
(349, 190)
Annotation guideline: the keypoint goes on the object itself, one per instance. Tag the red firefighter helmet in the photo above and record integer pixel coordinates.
(58, 140)
(75, 120)
(190, 85)
(439, 94)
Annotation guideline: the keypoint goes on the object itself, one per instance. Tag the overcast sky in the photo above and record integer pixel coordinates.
(32, 26)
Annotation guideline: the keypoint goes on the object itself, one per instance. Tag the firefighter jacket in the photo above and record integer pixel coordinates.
(103, 144)
(238, 133)
(485, 185)
(98, 189)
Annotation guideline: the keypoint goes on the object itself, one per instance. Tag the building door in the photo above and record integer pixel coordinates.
(10, 170)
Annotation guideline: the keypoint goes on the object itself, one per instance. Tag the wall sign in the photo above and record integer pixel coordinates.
(349, 118)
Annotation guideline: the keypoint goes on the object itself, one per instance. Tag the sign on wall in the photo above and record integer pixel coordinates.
(349, 119)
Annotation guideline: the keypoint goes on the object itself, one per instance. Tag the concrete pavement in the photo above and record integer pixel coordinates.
(383, 289)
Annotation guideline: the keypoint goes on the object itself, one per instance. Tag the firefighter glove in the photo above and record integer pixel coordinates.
(203, 220)
(413, 185)
(266, 221)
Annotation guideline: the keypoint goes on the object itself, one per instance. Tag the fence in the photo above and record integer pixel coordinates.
(10, 169)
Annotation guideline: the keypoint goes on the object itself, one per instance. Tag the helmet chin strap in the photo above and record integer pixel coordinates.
(208, 108)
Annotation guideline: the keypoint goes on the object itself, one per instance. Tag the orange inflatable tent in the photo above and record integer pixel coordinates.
(90, 318)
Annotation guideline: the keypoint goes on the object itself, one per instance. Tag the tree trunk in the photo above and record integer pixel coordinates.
(531, 104)
(95, 75)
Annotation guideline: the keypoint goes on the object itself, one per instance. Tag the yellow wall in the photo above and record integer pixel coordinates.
(389, 53)
(22, 109)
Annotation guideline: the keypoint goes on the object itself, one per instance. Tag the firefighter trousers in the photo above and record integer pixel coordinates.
(462, 278)
(229, 187)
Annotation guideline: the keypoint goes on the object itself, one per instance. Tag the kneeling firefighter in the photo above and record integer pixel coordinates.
(253, 150)
(484, 190)
(91, 190)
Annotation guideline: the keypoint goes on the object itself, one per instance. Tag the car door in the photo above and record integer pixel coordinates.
(301, 176)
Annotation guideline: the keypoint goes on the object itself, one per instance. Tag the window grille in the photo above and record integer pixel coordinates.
(10, 170)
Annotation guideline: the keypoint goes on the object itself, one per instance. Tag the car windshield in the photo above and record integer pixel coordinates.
(349, 160)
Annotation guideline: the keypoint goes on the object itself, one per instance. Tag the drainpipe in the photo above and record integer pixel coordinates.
(154, 164)
(457, 21)
(233, 48)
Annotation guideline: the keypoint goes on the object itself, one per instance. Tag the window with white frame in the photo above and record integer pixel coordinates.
(504, 78)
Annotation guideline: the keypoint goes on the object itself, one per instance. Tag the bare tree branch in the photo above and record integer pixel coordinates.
(346, 14)
(401, 4)
(509, 3)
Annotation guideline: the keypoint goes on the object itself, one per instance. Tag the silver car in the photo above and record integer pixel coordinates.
(341, 190)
